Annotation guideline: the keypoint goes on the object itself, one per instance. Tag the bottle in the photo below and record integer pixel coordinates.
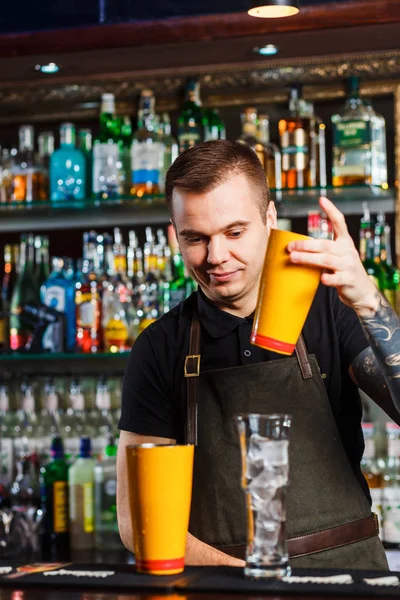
(7, 424)
(74, 423)
(105, 476)
(108, 175)
(25, 428)
(372, 261)
(103, 415)
(366, 228)
(26, 292)
(170, 149)
(25, 490)
(302, 138)
(391, 275)
(7, 162)
(182, 285)
(67, 168)
(46, 149)
(58, 292)
(54, 498)
(11, 253)
(147, 150)
(359, 142)
(214, 127)
(391, 490)
(125, 146)
(81, 498)
(88, 310)
(29, 179)
(272, 160)
(85, 146)
(190, 121)
(371, 471)
(42, 270)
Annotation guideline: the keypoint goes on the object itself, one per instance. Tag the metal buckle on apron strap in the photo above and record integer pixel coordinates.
(327, 539)
(192, 369)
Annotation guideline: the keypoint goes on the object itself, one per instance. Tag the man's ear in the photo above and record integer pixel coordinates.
(272, 217)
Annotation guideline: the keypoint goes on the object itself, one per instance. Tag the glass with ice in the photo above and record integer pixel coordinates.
(264, 443)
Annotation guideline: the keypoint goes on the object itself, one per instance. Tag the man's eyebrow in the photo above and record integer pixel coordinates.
(193, 232)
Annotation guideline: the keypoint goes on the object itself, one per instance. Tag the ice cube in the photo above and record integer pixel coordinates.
(275, 452)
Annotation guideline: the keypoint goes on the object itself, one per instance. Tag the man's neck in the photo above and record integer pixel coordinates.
(242, 307)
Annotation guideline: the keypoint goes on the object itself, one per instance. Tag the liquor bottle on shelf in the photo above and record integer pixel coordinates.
(359, 142)
(391, 489)
(126, 144)
(67, 168)
(29, 180)
(85, 146)
(54, 498)
(25, 428)
(372, 471)
(81, 498)
(105, 476)
(42, 271)
(108, 174)
(366, 229)
(190, 121)
(272, 159)
(372, 261)
(7, 160)
(26, 292)
(390, 275)
(268, 153)
(182, 285)
(25, 490)
(7, 427)
(302, 138)
(170, 148)
(11, 254)
(74, 423)
(46, 149)
(58, 292)
(214, 127)
(147, 150)
(88, 310)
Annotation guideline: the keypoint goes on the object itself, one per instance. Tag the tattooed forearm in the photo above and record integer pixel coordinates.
(383, 332)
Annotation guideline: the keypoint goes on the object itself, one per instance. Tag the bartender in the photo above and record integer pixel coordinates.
(222, 213)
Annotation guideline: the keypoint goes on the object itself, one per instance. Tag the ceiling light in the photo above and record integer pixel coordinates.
(267, 50)
(273, 9)
(51, 67)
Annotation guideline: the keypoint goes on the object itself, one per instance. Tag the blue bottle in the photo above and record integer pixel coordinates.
(59, 292)
(67, 168)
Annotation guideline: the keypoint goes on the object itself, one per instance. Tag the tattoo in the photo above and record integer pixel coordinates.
(383, 333)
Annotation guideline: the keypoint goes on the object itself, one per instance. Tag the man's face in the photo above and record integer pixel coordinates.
(223, 238)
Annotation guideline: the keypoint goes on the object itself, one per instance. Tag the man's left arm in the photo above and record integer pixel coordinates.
(376, 370)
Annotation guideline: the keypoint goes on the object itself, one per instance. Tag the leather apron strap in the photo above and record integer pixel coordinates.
(192, 372)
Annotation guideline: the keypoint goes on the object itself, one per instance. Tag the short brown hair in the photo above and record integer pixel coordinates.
(206, 166)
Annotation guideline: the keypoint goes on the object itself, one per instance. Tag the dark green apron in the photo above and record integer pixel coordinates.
(323, 491)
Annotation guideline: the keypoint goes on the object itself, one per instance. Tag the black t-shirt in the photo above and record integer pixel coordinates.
(152, 389)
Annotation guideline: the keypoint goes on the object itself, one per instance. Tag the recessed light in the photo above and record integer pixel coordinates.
(267, 50)
(51, 67)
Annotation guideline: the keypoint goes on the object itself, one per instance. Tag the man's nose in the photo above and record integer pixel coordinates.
(217, 252)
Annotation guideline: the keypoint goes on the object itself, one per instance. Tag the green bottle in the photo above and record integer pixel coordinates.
(106, 523)
(26, 291)
(182, 285)
(54, 494)
(81, 498)
(391, 280)
(108, 176)
(42, 259)
(190, 121)
(214, 127)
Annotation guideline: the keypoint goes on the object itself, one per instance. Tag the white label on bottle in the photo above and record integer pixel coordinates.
(349, 171)
(110, 487)
(147, 161)
(71, 445)
(103, 400)
(4, 402)
(86, 312)
(394, 447)
(54, 297)
(52, 402)
(106, 168)
(77, 401)
(391, 515)
(369, 450)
